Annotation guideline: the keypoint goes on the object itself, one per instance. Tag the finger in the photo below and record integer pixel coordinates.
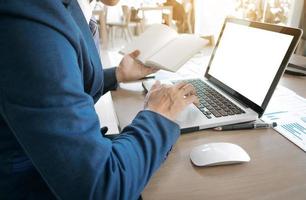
(148, 70)
(191, 99)
(152, 67)
(194, 91)
(152, 70)
(188, 89)
(180, 85)
(197, 101)
(156, 85)
(135, 54)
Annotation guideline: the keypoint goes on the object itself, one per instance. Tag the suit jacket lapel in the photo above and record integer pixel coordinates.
(76, 13)
(66, 2)
(80, 20)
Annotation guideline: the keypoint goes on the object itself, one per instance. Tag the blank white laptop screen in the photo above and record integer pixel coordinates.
(247, 59)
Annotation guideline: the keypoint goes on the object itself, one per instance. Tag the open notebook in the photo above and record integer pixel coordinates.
(163, 48)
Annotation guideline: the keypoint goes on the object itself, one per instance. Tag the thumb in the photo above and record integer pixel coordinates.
(151, 70)
(135, 54)
(155, 85)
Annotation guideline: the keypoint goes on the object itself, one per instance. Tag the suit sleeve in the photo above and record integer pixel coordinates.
(54, 120)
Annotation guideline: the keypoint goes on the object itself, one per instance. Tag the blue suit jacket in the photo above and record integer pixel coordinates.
(50, 140)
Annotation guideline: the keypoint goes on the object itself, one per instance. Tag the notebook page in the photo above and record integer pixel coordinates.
(149, 42)
(177, 52)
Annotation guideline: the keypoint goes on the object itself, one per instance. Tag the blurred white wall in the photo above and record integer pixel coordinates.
(210, 15)
(295, 13)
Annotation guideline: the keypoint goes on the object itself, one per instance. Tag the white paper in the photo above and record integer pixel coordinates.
(288, 110)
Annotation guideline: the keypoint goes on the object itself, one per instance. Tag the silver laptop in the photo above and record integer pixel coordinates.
(243, 72)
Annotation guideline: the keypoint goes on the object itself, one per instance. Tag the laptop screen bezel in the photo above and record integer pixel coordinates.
(296, 33)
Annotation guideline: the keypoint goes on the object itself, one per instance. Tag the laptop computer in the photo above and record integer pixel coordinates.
(244, 69)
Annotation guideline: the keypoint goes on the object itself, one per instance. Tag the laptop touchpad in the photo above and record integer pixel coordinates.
(190, 117)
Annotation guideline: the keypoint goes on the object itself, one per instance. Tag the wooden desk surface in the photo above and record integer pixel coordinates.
(277, 169)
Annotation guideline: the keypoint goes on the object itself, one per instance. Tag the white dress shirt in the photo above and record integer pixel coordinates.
(87, 8)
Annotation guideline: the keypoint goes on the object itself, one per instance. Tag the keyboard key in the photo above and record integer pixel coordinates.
(215, 113)
(223, 113)
(208, 116)
(212, 102)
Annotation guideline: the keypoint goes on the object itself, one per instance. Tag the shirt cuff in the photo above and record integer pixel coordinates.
(110, 80)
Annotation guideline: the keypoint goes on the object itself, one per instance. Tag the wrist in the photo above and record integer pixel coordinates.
(119, 75)
(169, 117)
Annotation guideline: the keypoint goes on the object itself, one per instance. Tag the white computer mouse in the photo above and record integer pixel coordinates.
(212, 154)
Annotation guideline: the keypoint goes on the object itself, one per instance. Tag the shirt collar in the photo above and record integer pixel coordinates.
(87, 8)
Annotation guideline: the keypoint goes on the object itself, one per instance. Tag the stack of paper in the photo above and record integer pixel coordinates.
(289, 111)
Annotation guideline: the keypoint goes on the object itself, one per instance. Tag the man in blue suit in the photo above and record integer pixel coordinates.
(50, 141)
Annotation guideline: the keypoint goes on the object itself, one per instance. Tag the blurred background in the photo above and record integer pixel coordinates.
(120, 23)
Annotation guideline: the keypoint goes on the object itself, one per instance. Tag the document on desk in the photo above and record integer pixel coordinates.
(107, 114)
(289, 111)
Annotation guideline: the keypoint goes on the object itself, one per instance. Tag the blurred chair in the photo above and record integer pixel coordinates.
(124, 25)
(136, 20)
(188, 18)
(100, 15)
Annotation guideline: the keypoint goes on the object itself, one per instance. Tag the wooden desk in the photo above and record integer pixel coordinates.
(277, 169)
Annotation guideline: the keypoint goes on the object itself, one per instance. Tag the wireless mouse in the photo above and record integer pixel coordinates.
(212, 154)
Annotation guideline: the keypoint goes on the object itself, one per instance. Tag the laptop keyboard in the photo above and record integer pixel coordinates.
(212, 103)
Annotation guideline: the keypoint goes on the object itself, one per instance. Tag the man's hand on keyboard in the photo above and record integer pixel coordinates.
(170, 100)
